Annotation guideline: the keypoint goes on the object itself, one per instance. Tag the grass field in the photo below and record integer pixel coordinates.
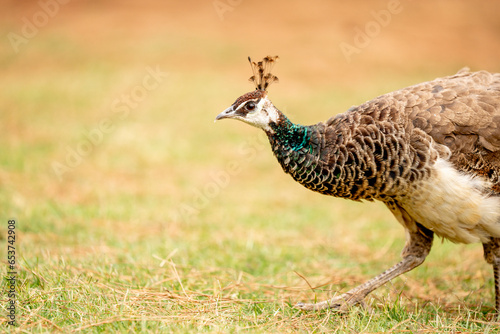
(136, 213)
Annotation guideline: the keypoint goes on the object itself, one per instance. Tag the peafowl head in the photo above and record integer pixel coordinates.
(255, 108)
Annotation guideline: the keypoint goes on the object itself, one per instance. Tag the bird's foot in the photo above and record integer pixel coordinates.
(340, 303)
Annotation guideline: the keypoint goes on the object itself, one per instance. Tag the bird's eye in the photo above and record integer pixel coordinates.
(250, 106)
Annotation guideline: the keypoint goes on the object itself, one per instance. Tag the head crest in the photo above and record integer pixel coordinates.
(262, 76)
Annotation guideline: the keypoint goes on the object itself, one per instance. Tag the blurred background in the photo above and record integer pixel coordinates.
(106, 118)
(68, 66)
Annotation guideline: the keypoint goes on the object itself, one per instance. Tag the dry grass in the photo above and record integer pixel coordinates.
(169, 223)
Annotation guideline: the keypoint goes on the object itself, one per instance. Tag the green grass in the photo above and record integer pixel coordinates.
(174, 224)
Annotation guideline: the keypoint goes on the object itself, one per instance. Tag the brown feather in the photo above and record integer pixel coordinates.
(262, 77)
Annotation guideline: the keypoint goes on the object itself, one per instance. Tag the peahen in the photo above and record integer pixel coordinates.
(429, 152)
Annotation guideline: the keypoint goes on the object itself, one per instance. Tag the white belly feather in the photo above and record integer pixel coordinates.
(454, 206)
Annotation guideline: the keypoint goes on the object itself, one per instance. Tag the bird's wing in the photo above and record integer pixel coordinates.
(460, 111)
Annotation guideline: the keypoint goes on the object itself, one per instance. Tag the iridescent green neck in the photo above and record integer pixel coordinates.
(290, 135)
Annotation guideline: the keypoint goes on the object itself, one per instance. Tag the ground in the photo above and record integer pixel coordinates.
(135, 212)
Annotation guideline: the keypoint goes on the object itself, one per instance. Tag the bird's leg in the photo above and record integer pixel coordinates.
(417, 247)
(492, 256)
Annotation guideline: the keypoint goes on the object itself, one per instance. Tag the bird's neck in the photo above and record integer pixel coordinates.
(288, 135)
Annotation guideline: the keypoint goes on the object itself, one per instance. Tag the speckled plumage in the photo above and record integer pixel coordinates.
(430, 152)
(383, 148)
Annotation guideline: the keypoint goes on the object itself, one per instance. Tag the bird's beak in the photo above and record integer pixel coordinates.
(228, 113)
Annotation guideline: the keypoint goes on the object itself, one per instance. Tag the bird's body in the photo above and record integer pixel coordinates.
(415, 147)
(430, 152)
